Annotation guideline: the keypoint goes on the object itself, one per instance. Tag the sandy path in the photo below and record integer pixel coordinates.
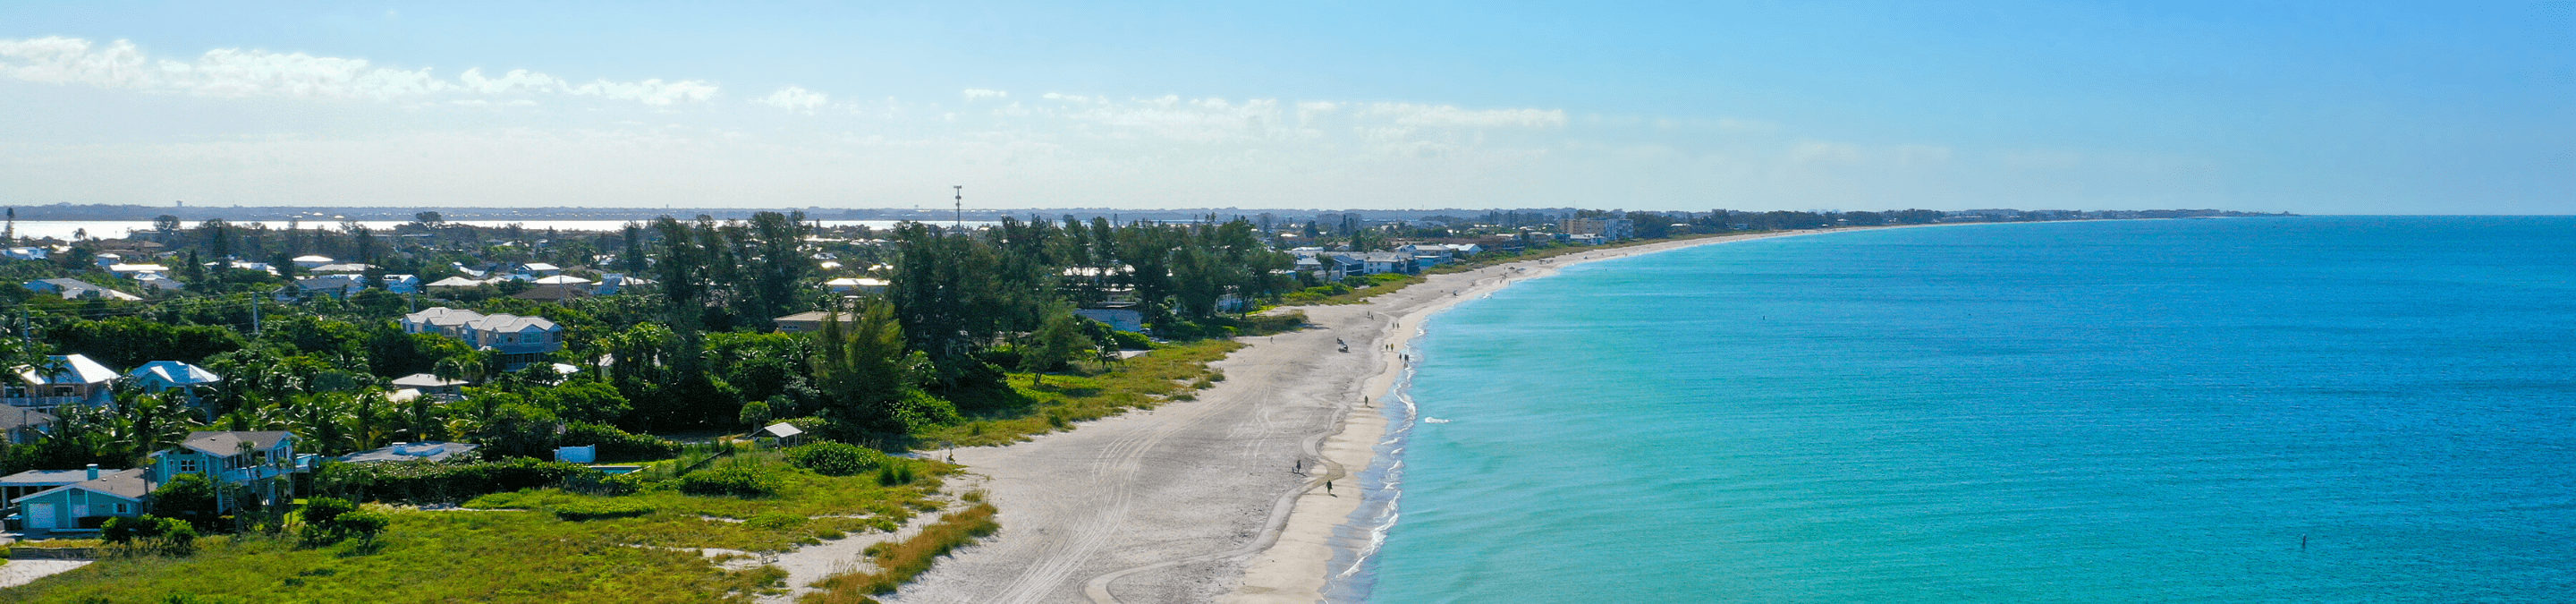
(22, 572)
(1201, 501)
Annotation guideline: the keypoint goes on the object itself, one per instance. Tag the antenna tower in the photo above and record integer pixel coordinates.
(961, 207)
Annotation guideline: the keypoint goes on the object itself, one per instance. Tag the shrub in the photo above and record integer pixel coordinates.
(835, 459)
(320, 511)
(188, 496)
(1129, 340)
(417, 482)
(150, 534)
(329, 520)
(895, 473)
(595, 509)
(737, 480)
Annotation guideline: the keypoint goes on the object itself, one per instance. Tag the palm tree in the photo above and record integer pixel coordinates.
(152, 422)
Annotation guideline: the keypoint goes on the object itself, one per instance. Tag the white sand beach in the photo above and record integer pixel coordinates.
(1219, 499)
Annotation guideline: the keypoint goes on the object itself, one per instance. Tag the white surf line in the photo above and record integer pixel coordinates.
(1284, 509)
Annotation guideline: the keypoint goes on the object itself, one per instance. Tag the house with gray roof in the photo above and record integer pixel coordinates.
(335, 286)
(519, 340)
(22, 425)
(80, 505)
(263, 463)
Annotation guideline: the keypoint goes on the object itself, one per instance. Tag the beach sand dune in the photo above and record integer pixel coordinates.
(1214, 499)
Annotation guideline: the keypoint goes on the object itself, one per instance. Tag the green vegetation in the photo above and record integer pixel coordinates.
(1018, 409)
(899, 562)
(835, 459)
(549, 545)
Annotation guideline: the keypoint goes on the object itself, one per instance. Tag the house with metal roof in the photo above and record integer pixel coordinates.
(162, 376)
(857, 285)
(401, 452)
(75, 289)
(62, 380)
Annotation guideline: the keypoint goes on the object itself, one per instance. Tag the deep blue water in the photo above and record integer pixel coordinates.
(2317, 409)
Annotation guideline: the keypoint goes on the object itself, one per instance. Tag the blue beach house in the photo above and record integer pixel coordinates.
(77, 499)
(165, 376)
(264, 464)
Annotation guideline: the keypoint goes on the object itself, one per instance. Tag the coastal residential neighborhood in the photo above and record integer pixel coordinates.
(241, 384)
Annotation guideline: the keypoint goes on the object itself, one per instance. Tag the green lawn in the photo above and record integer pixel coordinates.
(520, 555)
(1172, 371)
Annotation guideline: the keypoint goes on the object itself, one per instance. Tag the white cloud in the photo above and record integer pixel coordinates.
(69, 60)
(795, 98)
(237, 73)
(1447, 116)
(979, 93)
(650, 92)
(1195, 120)
(518, 81)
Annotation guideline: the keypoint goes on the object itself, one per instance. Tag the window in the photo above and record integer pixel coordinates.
(187, 466)
(124, 508)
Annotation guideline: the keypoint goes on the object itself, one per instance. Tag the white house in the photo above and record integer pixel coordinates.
(161, 283)
(62, 380)
(432, 452)
(130, 271)
(613, 282)
(402, 284)
(75, 289)
(534, 270)
(337, 286)
(857, 285)
(311, 261)
(519, 340)
(342, 267)
(24, 253)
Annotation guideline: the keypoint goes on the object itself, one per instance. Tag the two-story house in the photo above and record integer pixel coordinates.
(62, 380)
(263, 463)
(519, 340)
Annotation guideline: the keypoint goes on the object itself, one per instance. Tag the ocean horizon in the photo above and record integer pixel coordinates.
(2339, 409)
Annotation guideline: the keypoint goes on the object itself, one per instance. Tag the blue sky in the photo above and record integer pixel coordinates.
(2320, 107)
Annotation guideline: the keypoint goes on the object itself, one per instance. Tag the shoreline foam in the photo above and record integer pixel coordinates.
(1298, 564)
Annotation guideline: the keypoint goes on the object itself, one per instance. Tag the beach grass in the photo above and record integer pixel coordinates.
(1038, 406)
(639, 547)
(898, 562)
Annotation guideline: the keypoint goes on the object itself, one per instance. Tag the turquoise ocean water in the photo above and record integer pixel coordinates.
(2319, 409)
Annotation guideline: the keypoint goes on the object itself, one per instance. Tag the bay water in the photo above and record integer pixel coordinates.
(2308, 409)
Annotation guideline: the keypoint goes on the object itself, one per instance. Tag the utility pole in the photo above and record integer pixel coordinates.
(961, 207)
(254, 315)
